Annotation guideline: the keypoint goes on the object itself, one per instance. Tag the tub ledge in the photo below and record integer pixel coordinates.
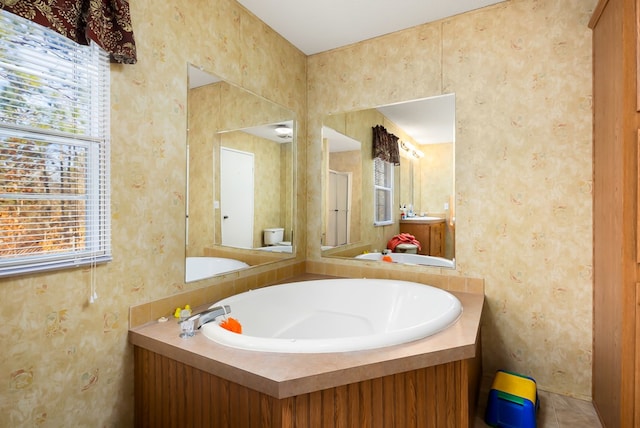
(286, 375)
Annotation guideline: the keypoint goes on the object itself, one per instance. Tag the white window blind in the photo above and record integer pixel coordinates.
(54, 150)
(382, 192)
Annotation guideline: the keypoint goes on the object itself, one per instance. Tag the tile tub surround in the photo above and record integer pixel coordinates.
(232, 283)
(265, 372)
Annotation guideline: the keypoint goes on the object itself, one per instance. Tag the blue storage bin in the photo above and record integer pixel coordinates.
(513, 401)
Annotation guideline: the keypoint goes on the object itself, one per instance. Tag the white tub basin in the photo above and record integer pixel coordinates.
(422, 218)
(205, 267)
(410, 259)
(335, 315)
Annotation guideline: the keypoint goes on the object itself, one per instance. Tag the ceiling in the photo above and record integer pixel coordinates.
(316, 26)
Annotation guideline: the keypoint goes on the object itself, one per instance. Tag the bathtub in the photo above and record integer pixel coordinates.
(335, 315)
(205, 267)
(422, 218)
(411, 259)
(277, 248)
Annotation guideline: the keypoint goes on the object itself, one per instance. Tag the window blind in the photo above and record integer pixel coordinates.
(54, 150)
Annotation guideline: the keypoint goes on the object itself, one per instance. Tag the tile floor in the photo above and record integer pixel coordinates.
(556, 411)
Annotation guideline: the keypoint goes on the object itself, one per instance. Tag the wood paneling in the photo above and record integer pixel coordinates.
(638, 55)
(615, 211)
(169, 394)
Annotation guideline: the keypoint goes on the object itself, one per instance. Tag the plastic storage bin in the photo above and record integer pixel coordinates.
(513, 401)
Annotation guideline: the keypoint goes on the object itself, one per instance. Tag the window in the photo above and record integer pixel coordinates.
(54, 150)
(382, 192)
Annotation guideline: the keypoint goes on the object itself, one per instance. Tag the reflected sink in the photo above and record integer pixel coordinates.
(422, 218)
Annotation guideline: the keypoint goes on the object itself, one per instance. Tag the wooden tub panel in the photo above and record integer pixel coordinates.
(169, 394)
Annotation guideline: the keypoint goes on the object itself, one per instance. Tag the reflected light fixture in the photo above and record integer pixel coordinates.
(411, 149)
(283, 131)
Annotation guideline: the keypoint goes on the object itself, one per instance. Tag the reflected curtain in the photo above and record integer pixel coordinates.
(106, 22)
(385, 145)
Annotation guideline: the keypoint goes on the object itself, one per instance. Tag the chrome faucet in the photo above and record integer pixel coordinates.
(209, 315)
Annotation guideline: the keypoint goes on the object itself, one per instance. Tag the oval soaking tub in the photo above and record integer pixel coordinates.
(205, 267)
(335, 315)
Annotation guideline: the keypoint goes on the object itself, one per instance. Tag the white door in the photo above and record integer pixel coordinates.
(339, 206)
(236, 198)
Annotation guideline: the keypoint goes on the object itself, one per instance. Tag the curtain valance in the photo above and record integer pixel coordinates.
(106, 22)
(385, 145)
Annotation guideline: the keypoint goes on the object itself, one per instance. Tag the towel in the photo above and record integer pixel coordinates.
(403, 238)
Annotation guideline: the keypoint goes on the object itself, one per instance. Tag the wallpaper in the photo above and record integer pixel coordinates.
(521, 72)
(65, 362)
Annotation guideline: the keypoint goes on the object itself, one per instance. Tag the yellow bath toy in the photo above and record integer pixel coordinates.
(178, 311)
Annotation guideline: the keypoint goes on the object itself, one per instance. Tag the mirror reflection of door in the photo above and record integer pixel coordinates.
(339, 208)
(236, 197)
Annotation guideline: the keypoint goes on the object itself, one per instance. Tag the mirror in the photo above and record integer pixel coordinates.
(240, 175)
(423, 184)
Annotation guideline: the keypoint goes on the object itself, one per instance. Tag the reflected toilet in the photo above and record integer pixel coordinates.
(273, 236)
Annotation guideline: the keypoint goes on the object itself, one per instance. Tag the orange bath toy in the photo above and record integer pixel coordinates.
(231, 324)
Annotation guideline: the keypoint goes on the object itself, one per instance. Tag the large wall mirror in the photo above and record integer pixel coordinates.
(422, 226)
(240, 178)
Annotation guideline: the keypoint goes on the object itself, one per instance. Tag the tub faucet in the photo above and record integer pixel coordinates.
(209, 315)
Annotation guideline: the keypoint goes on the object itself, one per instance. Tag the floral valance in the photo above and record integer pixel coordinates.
(385, 145)
(106, 22)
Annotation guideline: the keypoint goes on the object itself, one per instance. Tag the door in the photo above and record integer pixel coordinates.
(339, 208)
(236, 198)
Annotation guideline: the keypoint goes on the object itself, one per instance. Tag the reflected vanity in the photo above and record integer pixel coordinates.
(240, 178)
(423, 183)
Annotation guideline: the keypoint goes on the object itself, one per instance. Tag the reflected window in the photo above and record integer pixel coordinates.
(382, 192)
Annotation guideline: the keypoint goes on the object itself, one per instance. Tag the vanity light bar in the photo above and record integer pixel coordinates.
(411, 149)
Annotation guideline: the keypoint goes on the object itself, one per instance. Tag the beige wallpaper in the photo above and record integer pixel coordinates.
(521, 72)
(433, 184)
(68, 363)
(204, 144)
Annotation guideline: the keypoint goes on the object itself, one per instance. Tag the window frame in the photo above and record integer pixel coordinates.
(387, 188)
(86, 129)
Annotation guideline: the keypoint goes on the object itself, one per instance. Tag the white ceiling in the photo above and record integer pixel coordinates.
(316, 26)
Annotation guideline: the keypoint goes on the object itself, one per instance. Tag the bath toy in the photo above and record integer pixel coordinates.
(231, 324)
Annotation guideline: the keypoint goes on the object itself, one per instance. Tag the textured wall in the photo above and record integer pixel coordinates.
(65, 362)
(521, 71)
